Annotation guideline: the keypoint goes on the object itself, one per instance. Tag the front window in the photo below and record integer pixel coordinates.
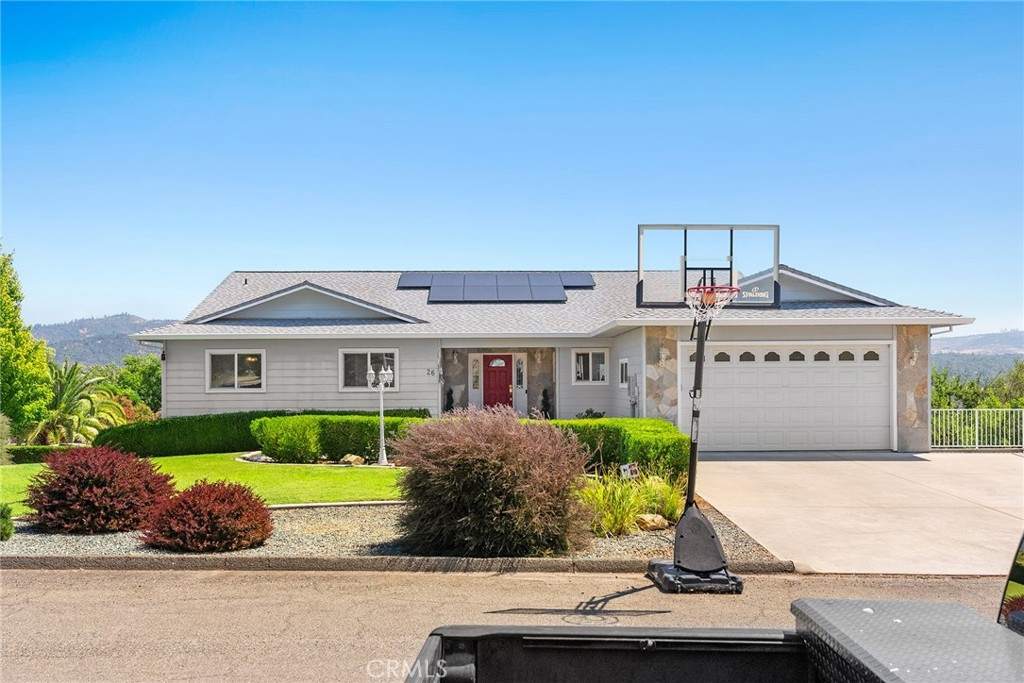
(623, 372)
(355, 363)
(591, 366)
(235, 370)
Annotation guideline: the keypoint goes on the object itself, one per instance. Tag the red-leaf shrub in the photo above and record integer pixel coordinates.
(1012, 605)
(95, 491)
(485, 483)
(211, 517)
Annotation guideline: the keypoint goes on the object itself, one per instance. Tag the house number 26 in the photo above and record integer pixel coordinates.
(431, 373)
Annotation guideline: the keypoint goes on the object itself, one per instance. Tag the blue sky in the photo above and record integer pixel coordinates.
(149, 149)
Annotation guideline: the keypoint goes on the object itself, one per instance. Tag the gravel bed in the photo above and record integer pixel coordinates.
(361, 531)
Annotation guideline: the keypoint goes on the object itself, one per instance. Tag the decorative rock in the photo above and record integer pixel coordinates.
(651, 522)
(352, 460)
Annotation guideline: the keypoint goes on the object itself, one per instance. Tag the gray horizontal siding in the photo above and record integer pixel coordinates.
(573, 399)
(629, 346)
(299, 374)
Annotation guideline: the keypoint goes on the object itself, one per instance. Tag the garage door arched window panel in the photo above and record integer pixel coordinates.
(771, 357)
(796, 356)
(722, 357)
(746, 357)
(871, 355)
(846, 355)
(821, 356)
(693, 357)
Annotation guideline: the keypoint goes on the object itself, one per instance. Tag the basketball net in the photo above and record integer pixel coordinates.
(707, 300)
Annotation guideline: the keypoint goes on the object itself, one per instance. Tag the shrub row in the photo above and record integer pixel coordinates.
(100, 490)
(24, 455)
(219, 433)
(304, 438)
(655, 445)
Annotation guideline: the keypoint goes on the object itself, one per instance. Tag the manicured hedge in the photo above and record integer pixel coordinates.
(24, 455)
(304, 438)
(655, 445)
(219, 433)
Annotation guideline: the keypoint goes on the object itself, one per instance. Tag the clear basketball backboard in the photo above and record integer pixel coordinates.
(674, 257)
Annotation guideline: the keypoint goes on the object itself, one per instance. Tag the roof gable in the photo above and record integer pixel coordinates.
(798, 286)
(305, 301)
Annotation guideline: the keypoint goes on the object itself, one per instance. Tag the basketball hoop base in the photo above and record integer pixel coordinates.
(672, 579)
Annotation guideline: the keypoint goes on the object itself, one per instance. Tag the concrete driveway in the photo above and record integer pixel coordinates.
(876, 512)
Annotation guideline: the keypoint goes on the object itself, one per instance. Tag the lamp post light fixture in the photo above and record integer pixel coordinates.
(383, 378)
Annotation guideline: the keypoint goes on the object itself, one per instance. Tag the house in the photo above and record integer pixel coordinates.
(826, 367)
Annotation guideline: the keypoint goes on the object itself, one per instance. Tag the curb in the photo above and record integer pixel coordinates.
(355, 503)
(367, 563)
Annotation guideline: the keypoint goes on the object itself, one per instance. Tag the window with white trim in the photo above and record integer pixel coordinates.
(624, 372)
(235, 370)
(354, 363)
(590, 366)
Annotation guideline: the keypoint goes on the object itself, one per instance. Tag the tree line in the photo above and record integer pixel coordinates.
(1005, 390)
(43, 402)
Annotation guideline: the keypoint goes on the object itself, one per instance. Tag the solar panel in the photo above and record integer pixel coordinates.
(450, 294)
(549, 279)
(574, 280)
(483, 287)
(514, 293)
(480, 294)
(414, 280)
(547, 292)
(513, 279)
(448, 280)
(481, 280)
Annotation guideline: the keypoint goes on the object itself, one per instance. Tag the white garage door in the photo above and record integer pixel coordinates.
(790, 396)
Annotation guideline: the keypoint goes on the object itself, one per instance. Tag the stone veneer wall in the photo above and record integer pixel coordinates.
(661, 367)
(540, 374)
(913, 398)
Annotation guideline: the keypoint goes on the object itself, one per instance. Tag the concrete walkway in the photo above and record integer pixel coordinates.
(876, 512)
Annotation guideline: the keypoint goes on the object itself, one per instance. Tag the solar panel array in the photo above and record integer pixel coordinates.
(497, 287)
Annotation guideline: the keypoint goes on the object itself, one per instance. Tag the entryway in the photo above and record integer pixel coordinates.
(497, 380)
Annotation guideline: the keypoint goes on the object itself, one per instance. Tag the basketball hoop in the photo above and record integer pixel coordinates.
(707, 300)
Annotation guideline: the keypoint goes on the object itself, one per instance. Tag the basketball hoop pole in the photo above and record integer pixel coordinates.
(698, 564)
(695, 395)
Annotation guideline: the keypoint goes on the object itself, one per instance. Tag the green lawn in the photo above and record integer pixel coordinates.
(277, 484)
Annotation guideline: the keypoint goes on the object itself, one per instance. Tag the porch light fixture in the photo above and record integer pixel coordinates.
(383, 378)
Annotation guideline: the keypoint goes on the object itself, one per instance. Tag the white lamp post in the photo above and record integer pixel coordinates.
(385, 377)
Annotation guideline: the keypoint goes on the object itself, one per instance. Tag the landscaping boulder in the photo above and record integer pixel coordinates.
(352, 460)
(651, 522)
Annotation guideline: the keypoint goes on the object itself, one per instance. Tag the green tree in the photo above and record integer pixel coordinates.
(5, 437)
(140, 375)
(24, 380)
(952, 391)
(1008, 387)
(81, 406)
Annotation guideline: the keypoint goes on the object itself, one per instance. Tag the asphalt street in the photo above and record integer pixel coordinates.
(145, 626)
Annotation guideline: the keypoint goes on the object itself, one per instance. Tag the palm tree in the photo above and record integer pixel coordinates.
(80, 408)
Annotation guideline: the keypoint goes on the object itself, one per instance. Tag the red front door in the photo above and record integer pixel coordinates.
(497, 380)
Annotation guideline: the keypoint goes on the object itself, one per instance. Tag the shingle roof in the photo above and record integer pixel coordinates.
(611, 303)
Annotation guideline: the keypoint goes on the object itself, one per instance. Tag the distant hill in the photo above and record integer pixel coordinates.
(978, 355)
(97, 341)
(1008, 341)
(982, 365)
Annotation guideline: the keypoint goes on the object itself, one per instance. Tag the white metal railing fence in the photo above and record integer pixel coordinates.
(978, 428)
